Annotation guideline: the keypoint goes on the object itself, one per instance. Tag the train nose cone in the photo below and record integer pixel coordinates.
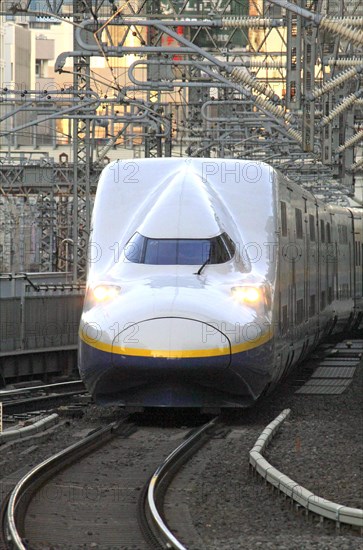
(172, 339)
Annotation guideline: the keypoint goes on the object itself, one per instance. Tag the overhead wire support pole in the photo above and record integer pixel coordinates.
(81, 159)
(308, 105)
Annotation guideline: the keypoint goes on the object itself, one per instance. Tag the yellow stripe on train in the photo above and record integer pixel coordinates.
(176, 354)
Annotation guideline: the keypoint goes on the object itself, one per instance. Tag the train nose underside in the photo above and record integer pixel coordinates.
(176, 362)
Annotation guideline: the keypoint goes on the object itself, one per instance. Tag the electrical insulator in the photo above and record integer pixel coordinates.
(336, 25)
(250, 22)
(345, 61)
(333, 83)
(356, 165)
(347, 102)
(272, 108)
(346, 20)
(241, 75)
(295, 135)
(352, 141)
(257, 64)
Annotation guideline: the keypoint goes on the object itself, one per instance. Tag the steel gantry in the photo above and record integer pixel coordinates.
(270, 80)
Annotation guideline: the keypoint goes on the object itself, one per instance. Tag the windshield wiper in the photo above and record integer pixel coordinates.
(202, 267)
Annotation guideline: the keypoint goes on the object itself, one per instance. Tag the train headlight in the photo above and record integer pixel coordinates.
(103, 293)
(254, 296)
(250, 295)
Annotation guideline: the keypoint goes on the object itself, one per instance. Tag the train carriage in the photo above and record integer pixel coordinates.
(208, 280)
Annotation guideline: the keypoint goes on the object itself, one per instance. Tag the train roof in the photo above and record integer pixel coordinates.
(184, 198)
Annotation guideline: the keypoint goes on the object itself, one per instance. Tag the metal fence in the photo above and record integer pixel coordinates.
(38, 311)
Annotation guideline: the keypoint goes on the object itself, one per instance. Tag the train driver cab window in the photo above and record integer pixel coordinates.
(144, 250)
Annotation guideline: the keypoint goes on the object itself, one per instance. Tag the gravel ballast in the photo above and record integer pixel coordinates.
(227, 506)
(320, 447)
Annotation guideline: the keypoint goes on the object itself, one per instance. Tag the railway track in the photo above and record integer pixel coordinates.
(97, 492)
(214, 502)
(28, 399)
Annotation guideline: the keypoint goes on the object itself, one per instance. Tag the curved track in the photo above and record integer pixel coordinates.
(153, 494)
(41, 507)
(18, 501)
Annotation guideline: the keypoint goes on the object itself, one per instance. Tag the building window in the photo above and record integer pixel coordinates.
(328, 234)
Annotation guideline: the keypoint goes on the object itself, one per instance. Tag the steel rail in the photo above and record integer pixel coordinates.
(39, 403)
(24, 400)
(28, 485)
(152, 497)
(45, 387)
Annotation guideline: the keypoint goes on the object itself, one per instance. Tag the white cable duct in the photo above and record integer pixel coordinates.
(340, 108)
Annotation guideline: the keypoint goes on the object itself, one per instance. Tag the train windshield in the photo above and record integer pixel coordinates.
(143, 250)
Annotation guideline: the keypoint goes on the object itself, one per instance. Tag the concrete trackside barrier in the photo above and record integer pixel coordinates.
(303, 497)
(25, 431)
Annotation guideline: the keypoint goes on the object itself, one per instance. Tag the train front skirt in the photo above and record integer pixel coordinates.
(232, 379)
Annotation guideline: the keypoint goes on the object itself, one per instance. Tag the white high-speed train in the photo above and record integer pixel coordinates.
(208, 280)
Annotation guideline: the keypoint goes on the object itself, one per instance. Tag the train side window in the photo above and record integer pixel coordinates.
(357, 253)
(312, 306)
(342, 234)
(299, 223)
(312, 227)
(322, 231)
(299, 311)
(322, 300)
(283, 219)
(328, 234)
(284, 319)
(330, 295)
